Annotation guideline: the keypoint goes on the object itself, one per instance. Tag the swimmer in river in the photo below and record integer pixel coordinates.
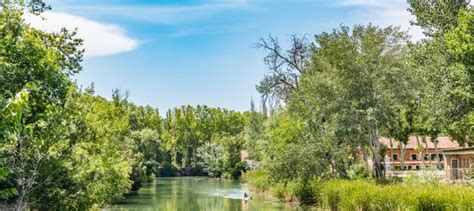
(246, 196)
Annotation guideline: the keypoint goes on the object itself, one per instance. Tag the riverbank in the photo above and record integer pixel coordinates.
(367, 194)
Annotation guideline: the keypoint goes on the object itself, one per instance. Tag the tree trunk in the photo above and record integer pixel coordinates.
(391, 154)
(186, 157)
(365, 156)
(403, 151)
(420, 150)
(354, 152)
(21, 203)
(375, 146)
(438, 164)
(22, 200)
(427, 151)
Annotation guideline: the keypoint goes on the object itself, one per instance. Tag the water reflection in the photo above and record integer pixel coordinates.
(190, 193)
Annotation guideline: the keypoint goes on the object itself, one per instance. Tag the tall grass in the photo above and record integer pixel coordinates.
(367, 194)
(259, 180)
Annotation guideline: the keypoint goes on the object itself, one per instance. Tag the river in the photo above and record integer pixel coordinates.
(197, 193)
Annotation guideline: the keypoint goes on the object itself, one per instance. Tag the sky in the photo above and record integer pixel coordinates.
(171, 53)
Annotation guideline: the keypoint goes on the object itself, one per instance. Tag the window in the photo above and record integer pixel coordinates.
(417, 167)
(414, 157)
(426, 157)
(466, 163)
(394, 157)
(433, 156)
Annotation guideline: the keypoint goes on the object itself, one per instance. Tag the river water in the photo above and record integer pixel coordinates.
(197, 193)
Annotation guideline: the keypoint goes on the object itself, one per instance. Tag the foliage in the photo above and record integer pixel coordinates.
(347, 88)
(358, 171)
(232, 165)
(436, 16)
(254, 132)
(210, 159)
(258, 179)
(423, 178)
(460, 45)
(187, 128)
(6, 193)
(38, 126)
(359, 194)
(148, 145)
(62, 147)
(298, 161)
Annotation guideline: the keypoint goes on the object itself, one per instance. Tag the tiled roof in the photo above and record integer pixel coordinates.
(457, 150)
(444, 142)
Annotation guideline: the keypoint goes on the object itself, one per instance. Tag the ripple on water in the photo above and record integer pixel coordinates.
(233, 193)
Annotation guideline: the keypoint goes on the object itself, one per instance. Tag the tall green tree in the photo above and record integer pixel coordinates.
(445, 93)
(35, 71)
(360, 73)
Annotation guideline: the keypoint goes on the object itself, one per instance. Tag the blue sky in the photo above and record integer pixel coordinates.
(173, 53)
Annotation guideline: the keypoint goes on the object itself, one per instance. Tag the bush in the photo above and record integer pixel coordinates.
(358, 171)
(301, 190)
(367, 195)
(422, 177)
(279, 191)
(258, 179)
(167, 170)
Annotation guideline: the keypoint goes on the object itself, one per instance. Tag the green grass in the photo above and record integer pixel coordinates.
(367, 194)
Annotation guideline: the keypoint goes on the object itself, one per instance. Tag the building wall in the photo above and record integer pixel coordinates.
(428, 159)
(464, 161)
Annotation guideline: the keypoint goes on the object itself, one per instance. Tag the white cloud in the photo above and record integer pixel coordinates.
(397, 16)
(359, 3)
(99, 39)
(161, 14)
(384, 13)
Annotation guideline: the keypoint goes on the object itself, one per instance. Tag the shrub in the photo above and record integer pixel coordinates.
(279, 190)
(301, 190)
(167, 170)
(368, 195)
(422, 177)
(258, 179)
(358, 171)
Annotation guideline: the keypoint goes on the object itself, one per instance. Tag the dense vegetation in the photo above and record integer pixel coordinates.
(337, 94)
(325, 103)
(62, 147)
(361, 194)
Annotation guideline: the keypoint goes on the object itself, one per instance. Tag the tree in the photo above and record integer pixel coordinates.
(460, 44)
(436, 16)
(285, 67)
(361, 74)
(253, 132)
(231, 161)
(210, 158)
(148, 145)
(445, 96)
(35, 67)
